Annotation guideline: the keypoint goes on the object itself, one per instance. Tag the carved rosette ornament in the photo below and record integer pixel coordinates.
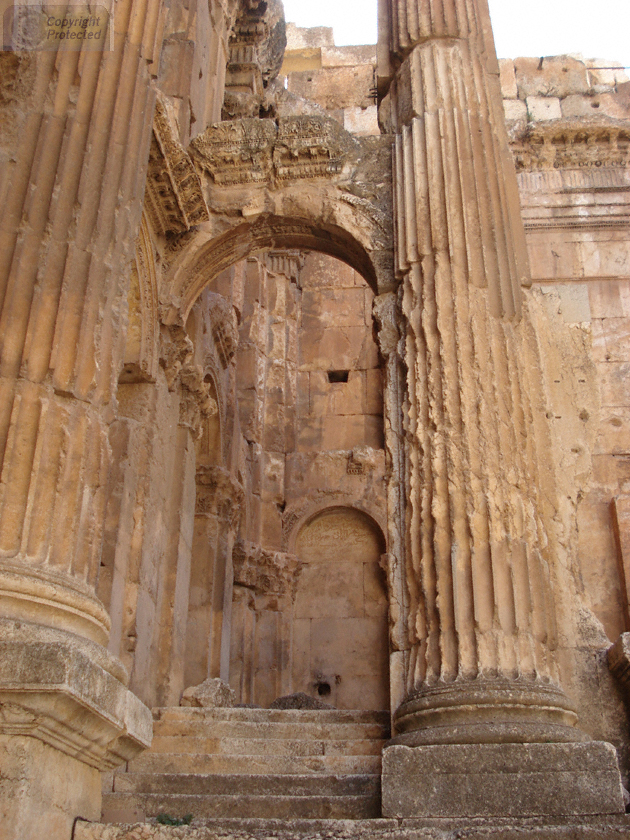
(476, 635)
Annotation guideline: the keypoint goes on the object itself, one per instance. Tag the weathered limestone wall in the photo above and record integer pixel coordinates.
(570, 135)
(312, 444)
(341, 80)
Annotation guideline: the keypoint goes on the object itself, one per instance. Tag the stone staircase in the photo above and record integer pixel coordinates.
(217, 764)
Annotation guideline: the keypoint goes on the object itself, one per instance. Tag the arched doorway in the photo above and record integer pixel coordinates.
(340, 651)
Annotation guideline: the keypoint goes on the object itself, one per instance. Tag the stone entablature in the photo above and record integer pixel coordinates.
(263, 151)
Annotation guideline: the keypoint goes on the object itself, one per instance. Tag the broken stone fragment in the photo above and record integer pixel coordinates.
(210, 694)
(300, 700)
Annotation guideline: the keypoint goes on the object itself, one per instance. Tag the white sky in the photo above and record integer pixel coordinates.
(521, 27)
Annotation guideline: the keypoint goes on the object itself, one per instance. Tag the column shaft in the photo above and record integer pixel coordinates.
(480, 611)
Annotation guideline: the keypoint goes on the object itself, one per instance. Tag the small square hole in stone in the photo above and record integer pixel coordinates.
(338, 375)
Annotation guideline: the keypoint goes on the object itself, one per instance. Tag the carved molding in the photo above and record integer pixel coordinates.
(267, 572)
(287, 262)
(174, 199)
(253, 151)
(256, 51)
(147, 361)
(573, 144)
(66, 691)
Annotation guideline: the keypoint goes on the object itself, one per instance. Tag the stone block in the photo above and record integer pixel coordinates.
(345, 432)
(541, 108)
(502, 780)
(374, 392)
(559, 76)
(579, 105)
(508, 79)
(514, 109)
(349, 56)
(335, 87)
(605, 75)
(606, 299)
(321, 271)
(334, 307)
(361, 121)
(327, 590)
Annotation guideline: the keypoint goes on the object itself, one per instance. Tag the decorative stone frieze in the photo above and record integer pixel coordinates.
(583, 144)
(256, 50)
(264, 151)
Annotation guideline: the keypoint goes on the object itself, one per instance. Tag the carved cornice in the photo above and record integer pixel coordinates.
(174, 198)
(267, 572)
(64, 690)
(253, 151)
(286, 262)
(573, 144)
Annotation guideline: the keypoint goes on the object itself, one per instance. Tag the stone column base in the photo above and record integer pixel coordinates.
(65, 715)
(501, 780)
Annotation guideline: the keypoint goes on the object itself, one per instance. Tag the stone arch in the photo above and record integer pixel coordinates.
(298, 515)
(340, 613)
(204, 258)
(291, 183)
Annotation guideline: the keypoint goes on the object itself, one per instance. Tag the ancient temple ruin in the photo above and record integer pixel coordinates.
(314, 429)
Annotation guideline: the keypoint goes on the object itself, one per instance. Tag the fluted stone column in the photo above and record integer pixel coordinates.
(479, 664)
(71, 192)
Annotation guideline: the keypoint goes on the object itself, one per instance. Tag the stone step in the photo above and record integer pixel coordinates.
(264, 746)
(294, 729)
(269, 807)
(199, 784)
(301, 716)
(584, 828)
(163, 762)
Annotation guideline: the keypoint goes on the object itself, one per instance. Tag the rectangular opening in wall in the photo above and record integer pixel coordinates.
(338, 375)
